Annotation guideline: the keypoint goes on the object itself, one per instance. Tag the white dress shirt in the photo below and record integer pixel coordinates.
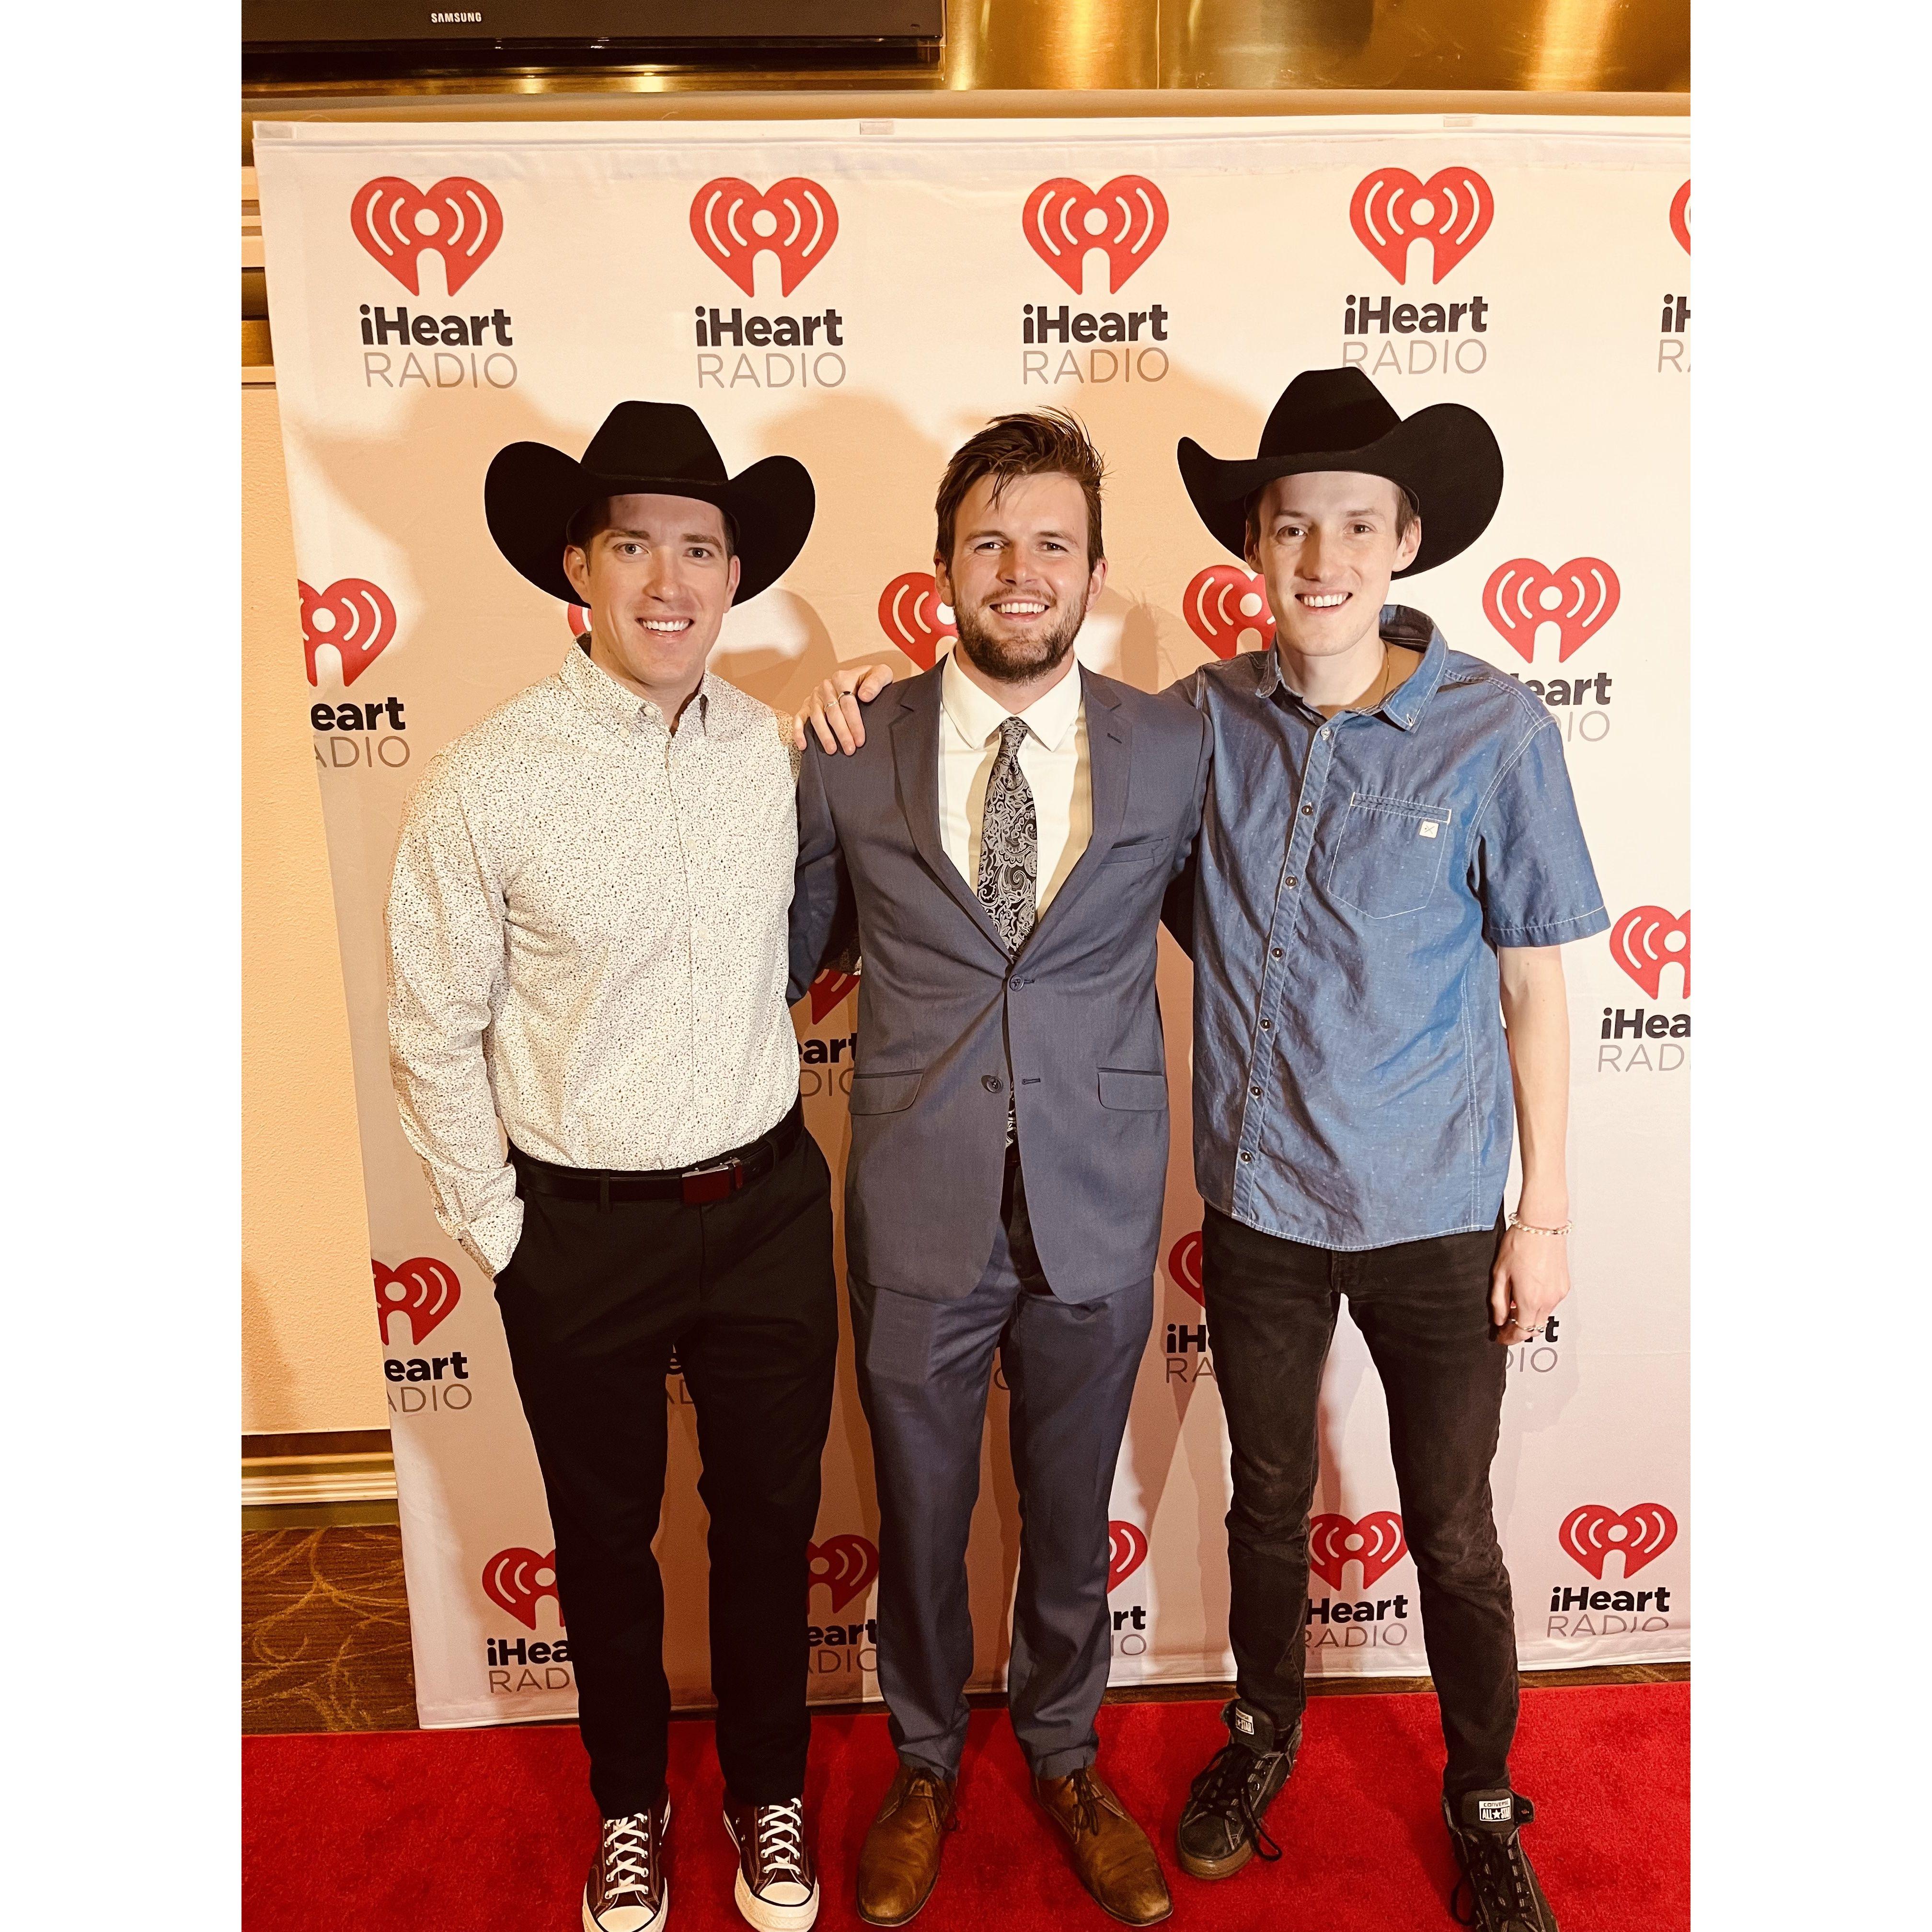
(587, 941)
(1053, 756)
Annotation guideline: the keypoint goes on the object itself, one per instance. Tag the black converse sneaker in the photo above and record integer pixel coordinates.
(776, 1890)
(1220, 1827)
(1497, 1880)
(625, 1892)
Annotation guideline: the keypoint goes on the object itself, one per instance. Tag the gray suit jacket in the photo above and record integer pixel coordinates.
(948, 1022)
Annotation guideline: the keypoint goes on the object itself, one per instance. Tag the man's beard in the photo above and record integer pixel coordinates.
(1017, 663)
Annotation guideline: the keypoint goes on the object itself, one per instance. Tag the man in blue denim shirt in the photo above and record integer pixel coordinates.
(1390, 858)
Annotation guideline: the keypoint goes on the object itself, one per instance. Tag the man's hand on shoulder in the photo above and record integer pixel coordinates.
(832, 710)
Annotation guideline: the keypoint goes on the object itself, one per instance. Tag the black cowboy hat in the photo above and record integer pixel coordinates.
(1446, 457)
(655, 449)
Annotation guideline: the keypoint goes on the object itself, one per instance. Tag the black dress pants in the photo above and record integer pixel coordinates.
(1423, 1307)
(594, 1300)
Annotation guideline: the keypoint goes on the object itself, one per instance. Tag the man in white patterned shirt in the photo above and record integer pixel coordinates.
(588, 942)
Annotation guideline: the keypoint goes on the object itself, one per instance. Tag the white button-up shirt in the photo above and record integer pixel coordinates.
(587, 941)
(1053, 757)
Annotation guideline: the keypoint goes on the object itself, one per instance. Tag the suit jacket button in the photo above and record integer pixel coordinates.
(991, 1082)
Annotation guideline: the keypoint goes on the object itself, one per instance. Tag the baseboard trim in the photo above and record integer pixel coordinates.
(322, 1469)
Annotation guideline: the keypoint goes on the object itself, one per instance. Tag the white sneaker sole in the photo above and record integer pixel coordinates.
(770, 1917)
(592, 1923)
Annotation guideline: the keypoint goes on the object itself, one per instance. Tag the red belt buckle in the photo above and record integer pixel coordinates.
(707, 1184)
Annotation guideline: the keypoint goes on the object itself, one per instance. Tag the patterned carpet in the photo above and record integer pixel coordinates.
(325, 1631)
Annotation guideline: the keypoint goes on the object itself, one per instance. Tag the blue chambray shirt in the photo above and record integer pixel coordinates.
(1353, 879)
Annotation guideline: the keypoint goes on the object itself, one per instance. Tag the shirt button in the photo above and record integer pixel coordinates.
(1245, 1155)
(1326, 730)
(1290, 881)
(1267, 1026)
(1274, 951)
(1308, 811)
(1255, 1091)
(991, 1082)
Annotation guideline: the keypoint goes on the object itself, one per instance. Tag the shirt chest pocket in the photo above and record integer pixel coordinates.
(1388, 856)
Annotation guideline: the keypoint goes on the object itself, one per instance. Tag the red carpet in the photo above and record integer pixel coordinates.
(491, 1831)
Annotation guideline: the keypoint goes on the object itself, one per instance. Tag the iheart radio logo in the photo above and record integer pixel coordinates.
(422, 1290)
(1579, 598)
(1643, 1533)
(1126, 1551)
(578, 618)
(844, 1564)
(517, 1580)
(1451, 211)
(1680, 216)
(912, 617)
(1222, 604)
(827, 990)
(1646, 940)
(795, 220)
(1376, 1542)
(458, 219)
(1126, 220)
(1184, 1266)
(353, 616)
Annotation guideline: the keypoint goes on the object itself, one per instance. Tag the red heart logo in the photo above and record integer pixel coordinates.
(1376, 1542)
(1640, 943)
(517, 1580)
(422, 1290)
(1184, 1266)
(458, 219)
(844, 1564)
(1452, 210)
(795, 220)
(578, 618)
(1223, 604)
(1579, 598)
(1680, 216)
(1643, 1532)
(1064, 218)
(909, 614)
(828, 990)
(1126, 1551)
(353, 616)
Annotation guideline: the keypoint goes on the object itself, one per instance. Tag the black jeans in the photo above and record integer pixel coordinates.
(593, 1301)
(1422, 1308)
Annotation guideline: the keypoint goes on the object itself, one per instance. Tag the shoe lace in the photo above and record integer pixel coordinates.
(1227, 1786)
(920, 1784)
(781, 1832)
(1495, 1874)
(627, 1852)
(1087, 1802)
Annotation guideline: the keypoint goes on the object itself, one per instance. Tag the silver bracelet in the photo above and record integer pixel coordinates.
(1531, 1228)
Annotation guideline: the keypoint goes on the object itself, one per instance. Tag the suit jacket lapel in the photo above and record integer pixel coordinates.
(1109, 744)
(915, 761)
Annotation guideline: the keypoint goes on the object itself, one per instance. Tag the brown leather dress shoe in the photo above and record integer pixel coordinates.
(1116, 1862)
(899, 1861)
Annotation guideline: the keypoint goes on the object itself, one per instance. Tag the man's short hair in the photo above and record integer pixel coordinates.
(1040, 443)
(1407, 510)
(594, 519)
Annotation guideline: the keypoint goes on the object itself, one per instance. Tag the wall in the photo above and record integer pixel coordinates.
(310, 1356)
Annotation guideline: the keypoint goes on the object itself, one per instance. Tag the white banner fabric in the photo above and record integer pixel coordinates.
(862, 295)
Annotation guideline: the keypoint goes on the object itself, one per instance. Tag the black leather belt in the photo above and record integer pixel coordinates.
(696, 1186)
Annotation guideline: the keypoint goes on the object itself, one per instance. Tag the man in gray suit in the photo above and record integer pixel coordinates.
(1000, 850)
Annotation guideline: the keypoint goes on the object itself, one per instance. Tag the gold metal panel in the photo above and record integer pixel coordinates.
(1097, 48)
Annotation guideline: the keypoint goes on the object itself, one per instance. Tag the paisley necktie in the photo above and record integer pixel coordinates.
(1009, 842)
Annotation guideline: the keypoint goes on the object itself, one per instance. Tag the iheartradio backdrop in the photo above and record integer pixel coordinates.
(862, 295)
